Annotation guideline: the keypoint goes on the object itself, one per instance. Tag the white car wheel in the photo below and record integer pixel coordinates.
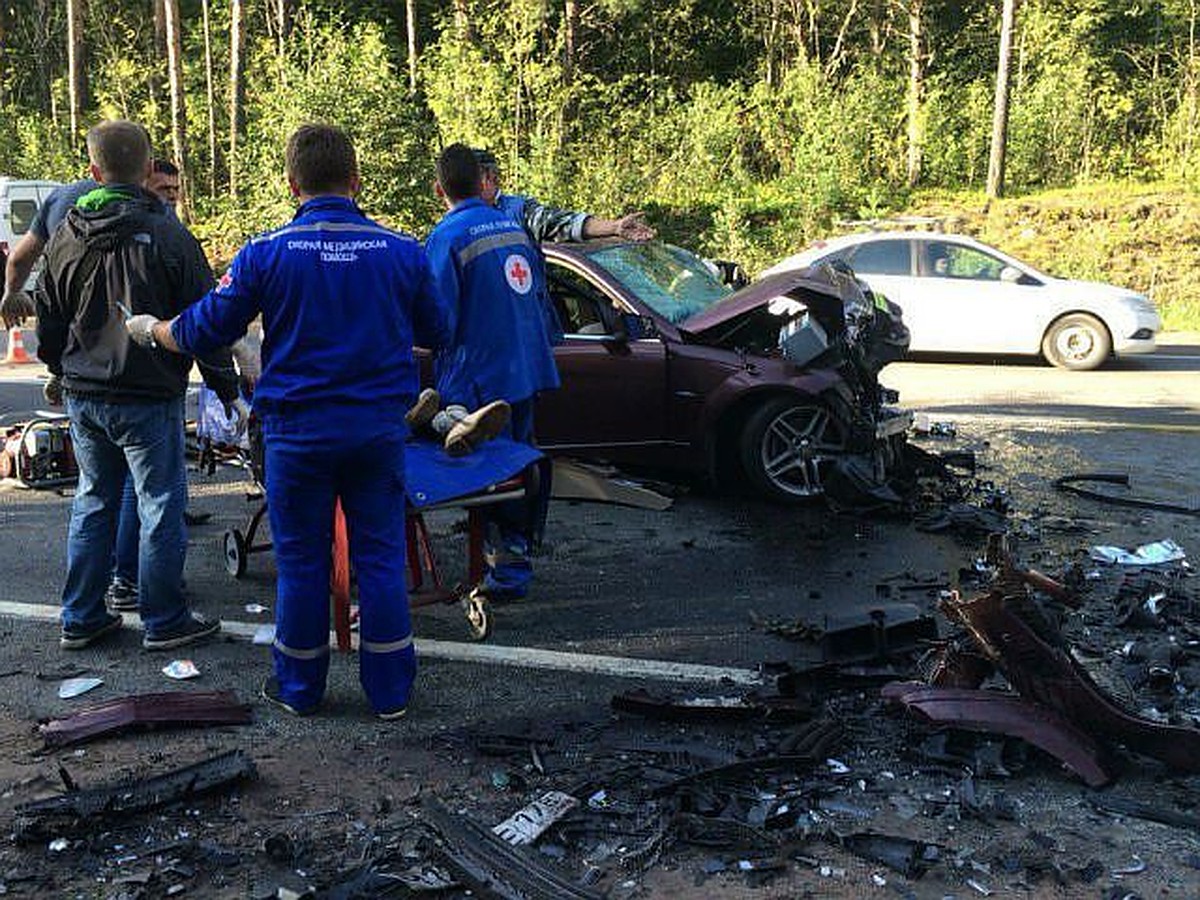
(1077, 342)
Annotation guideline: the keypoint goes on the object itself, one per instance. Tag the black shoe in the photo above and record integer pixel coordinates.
(191, 518)
(270, 693)
(75, 639)
(122, 595)
(195, 628)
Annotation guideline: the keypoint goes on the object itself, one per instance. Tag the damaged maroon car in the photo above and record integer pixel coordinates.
(773, 386)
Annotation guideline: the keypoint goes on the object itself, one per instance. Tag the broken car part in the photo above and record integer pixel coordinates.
(494, 868)
(1069, 484)
(527, 824)
(80, 810)
(996, 713)
(1124, 806)
(176, 709)
(877, 634)
(1048, 676)
(712, 709)
(900, 854)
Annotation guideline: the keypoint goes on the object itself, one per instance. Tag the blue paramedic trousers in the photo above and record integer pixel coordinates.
(510, 525)
(315, 454)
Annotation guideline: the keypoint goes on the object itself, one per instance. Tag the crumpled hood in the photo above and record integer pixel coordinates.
(820, 282)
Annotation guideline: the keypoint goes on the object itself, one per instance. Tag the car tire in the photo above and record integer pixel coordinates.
(1077, 342)
(785, 446)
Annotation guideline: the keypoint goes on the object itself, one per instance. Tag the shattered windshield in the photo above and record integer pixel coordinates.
(674, 283)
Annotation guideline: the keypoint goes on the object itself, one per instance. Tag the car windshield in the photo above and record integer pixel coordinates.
(674, 283)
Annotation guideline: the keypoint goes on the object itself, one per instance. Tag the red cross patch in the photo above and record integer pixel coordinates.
(225, 282)
(517, 273)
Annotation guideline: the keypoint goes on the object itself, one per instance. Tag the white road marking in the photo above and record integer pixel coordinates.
(489, 654)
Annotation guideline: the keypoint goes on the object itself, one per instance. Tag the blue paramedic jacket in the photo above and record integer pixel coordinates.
(489, 277)
(343, 300)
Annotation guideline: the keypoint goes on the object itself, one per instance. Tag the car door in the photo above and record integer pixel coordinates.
(613, 394)
(972, 308)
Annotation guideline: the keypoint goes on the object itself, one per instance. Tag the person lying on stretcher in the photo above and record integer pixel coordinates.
(461, 430)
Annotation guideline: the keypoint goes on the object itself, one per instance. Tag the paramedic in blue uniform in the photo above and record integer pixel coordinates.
(342, 300)
(486, 270)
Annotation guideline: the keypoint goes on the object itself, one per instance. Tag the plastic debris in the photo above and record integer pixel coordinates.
(527, 824)
(837, 767)
(264, 636)
(73, 687)
(1134, 868)
(181, 669)
(58, 845)
(255, 609)
(1155, 554)
(979, 887)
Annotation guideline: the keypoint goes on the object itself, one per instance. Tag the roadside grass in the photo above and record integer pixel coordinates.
(1142, 236)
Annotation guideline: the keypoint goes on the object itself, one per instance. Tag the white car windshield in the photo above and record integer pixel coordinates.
(674, 283)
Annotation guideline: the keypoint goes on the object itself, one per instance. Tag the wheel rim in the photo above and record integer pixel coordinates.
(796, 447)
(1076, 343)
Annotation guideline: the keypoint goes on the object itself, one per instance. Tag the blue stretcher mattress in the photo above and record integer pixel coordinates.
(432, 476)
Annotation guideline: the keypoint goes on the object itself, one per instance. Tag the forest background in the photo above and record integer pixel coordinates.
(746, 128)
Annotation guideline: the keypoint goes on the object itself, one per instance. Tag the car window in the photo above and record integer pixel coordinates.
(21, 214)
(882, 258)
(582, 307)
(674, 283)
(956, 261)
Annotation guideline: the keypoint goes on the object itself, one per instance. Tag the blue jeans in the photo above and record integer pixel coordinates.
(145, 442)
(314, 455)
(125, 558)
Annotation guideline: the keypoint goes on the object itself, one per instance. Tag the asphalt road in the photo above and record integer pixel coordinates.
(1159, 390)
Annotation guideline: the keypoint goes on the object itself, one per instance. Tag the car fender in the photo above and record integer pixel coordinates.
(746, 390)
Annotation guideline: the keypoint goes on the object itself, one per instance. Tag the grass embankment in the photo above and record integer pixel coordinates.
(1145, 237)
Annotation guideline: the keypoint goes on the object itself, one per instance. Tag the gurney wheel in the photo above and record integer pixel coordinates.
(235, 553)
(479, 621)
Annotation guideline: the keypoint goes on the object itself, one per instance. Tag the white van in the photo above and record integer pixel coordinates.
(19, 202)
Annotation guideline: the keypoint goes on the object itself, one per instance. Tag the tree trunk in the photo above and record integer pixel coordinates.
(3, 52)
(237, 47)
(995, 176)
(462, 22)
(570, 38)
(155, 80)
(76, 65)
(916, 89)
(410, 19)
(178, 106)
(283, 24)
(210, 94)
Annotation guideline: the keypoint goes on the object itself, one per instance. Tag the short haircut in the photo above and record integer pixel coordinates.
(120, 150)
(321, 160)
(162, 166)
(487, 160)
(458, 172)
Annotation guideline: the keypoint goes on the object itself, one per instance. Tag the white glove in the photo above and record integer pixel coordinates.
(238, 411)
(16, 306)
(141, 330)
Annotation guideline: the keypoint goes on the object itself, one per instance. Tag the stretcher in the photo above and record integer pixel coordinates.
(499, 471)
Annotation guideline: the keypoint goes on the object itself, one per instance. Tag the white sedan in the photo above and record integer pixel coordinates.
(962, 296)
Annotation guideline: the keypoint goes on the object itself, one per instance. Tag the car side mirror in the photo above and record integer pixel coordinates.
(1010, 275)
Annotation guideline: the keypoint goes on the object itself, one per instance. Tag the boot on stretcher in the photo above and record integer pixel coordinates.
(472, 429)
(422, 412)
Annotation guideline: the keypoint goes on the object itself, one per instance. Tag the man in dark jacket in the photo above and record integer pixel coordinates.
(118, 253)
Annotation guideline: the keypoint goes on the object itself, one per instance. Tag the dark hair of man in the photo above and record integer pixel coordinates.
(321, 160)
(487, 161)
(458, 172)
(164, 166)
(120, 150)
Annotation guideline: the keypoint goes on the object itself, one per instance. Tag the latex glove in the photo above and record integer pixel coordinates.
(52, 390)
(633, 227)
(240, 409)
(15, 307)
(141, 330)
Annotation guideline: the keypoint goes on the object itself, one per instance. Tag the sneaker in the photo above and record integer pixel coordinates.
(482, 425)
(195, 628)
(392, 714)
(77, 639)
(122, 595)
(422, 412)
(270, 693)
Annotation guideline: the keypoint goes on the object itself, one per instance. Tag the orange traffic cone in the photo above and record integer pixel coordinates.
(16, 347)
